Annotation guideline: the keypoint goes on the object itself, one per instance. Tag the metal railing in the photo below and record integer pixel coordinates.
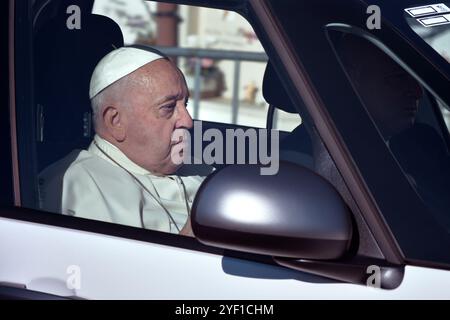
(236, 56)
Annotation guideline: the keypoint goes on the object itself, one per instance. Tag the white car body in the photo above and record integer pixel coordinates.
(49, 258)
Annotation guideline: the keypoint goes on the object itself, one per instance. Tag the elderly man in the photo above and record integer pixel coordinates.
(127, 175)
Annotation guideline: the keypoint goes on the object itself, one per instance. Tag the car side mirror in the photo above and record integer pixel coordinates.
(295, 213)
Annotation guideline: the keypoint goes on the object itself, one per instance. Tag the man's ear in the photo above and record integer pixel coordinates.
(115, 122)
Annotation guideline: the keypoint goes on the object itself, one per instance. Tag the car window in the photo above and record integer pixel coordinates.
(224, 73)
(410, 119)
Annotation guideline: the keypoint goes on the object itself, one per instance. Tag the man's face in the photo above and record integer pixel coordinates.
(156, 109)
(390, 94)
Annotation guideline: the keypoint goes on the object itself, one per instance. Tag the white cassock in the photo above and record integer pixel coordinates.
(94, 187)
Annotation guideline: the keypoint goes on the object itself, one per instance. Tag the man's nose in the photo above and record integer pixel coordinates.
(185, 120)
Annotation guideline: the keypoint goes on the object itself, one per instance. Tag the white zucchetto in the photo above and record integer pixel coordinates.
(117, 64)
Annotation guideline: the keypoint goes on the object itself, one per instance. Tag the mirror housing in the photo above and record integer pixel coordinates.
(295, 213)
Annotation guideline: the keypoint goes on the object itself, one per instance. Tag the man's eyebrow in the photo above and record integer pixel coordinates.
(168, 98)
(171, 97)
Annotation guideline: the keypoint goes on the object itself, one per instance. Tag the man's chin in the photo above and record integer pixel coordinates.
(172, 169)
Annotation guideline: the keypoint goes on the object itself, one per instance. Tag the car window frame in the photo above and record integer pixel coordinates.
(317, 111)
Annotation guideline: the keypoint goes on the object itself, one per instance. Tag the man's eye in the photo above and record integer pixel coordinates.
(169, 108)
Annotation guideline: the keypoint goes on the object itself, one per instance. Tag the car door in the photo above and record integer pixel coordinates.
(82, 258)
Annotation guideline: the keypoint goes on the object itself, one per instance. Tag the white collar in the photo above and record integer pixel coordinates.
(115, 153)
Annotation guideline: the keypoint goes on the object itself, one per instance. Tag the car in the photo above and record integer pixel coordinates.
(345, 217)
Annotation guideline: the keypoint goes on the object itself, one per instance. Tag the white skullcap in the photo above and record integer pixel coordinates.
(117, 64)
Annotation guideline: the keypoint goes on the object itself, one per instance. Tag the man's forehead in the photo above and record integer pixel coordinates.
(160, 81)
(172, 92)
(159, 70)
(152, 73)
